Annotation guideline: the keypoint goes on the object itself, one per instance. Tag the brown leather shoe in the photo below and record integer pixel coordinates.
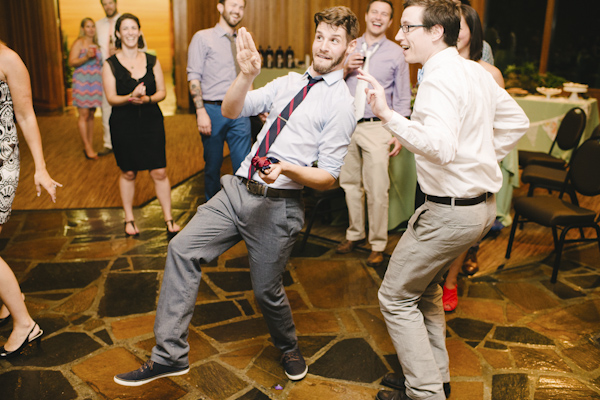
(470, 265)
(347, 246)
(375, 259)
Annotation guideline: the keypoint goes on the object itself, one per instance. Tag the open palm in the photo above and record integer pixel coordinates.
(248, 57)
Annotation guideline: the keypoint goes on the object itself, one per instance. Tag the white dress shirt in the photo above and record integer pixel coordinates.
(318, 130)
(462, 125)
(105, 28)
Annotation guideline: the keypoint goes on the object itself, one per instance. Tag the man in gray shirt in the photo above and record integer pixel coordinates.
(211, 69)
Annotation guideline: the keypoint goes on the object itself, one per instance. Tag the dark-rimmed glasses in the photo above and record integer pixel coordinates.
(407, 28)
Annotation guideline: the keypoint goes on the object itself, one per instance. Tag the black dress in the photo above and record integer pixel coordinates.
(137, 131)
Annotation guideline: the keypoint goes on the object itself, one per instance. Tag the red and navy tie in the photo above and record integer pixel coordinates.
(280, 122)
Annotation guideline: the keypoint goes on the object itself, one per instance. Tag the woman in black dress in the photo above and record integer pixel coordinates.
(133, 82)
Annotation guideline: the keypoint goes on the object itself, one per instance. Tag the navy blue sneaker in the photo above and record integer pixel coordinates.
(294, 365)
(148, 372)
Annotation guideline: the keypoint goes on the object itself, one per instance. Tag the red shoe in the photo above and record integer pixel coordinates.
(450, 299)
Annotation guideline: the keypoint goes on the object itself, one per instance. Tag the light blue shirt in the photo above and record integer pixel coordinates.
(318, 130)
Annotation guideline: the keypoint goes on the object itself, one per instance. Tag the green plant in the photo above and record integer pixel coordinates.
(526, 76)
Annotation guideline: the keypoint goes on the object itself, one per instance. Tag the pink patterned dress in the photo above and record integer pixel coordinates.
(87, 82)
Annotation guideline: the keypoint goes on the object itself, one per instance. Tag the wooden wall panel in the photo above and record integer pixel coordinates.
(35, 37)
(155, 18)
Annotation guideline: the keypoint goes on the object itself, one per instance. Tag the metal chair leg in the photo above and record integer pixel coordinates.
(513, 229)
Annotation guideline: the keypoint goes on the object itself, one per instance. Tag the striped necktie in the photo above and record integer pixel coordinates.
(280, 122)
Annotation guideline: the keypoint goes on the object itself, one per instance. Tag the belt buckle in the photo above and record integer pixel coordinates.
(254, 188)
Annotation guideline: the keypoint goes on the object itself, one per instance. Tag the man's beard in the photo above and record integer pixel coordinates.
(330, 67)
(227, 18)
(113, 14)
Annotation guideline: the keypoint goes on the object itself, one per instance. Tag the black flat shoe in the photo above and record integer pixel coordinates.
(170, 233)
(11, 354)
(132, 222)
(4, 321)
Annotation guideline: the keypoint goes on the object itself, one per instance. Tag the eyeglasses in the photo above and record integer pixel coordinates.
(407, 28)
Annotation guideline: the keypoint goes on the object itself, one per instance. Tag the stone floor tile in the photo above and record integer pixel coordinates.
(19, 268)
(555, 387)
(528, 297)
(231, 281)
(148, 263)
(141, 289)
(498, 359)
(570, 322)
(43, 249)
(246, 307)
(310, 345)
(126, 328)
(98, 372)
(35, 384)
(585, 254)
(267, 370)
(61, 349)
(525, 272)
(586, 356)
(296, 301)
(236, 331)
(104, 336)
(333, 284)
(513, 314)
(316, 322)
(510, 387)
(210, 313)
(157, 246)
(205, 292)
(239, 262)
(518, 334)
(561, 290)
(93, 324)
(463, 359)
(79, 302)
(349, 321)
(46, 221)
(241, 358)
(468, 328)
(467, 390)
(483, 310)
(351, 360)
(51, 323)
(585, 281)
(267, 379)
(495, 345)
(253, 394)
(315, 388)
(374, 323)
(311, 249)
(57, 276)
(95, 250)
(538, 359)
(214, 380)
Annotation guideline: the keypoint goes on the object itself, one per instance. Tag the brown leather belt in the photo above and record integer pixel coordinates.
(259, 189)
(215, 102)
(458, 201)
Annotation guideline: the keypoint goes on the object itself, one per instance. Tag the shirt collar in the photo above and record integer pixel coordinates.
(440, 58)
(221, 32)
(363, 39)
(330, 78)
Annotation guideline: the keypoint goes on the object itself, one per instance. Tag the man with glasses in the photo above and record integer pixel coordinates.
(365, 170)
(462, 124)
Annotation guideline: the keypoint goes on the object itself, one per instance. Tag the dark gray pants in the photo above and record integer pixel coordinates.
(269, 226)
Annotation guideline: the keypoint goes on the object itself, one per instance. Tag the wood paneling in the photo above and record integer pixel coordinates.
(155, 18)
(35, 37)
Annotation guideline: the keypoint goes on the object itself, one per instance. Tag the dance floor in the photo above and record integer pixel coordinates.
(93, 291)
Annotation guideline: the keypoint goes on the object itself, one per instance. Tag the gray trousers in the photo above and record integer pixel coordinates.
(410, 295)
(269, 226)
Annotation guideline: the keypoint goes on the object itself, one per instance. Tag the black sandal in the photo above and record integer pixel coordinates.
(132, 222)
(170, 234)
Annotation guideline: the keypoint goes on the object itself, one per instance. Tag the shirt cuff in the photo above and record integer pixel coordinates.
(397, 124)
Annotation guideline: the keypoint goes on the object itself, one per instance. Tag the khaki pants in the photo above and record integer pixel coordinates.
(365, 172)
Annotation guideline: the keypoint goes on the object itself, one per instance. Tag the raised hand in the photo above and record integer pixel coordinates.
(248, 57)
(376, 97)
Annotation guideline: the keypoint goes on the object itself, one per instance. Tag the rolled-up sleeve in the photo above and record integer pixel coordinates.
(196, 56)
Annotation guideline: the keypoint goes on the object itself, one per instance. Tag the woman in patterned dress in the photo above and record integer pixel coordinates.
(87, 82)
(15, 101)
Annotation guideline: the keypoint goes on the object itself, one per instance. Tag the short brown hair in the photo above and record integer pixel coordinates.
(382, 1)
(445, 13)
(339, 16)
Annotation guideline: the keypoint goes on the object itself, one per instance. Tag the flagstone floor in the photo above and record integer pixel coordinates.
(94, 293)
